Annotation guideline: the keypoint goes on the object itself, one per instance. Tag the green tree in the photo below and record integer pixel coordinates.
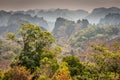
(11, 36)
(99, 59)
(74, 65)
(48, 65)
(107, 61)
(38, 54)
(34, 40)
(114, 65)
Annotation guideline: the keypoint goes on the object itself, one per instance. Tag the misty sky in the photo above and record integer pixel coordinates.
(64, 4)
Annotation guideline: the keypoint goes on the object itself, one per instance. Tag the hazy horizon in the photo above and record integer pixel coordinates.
(17, 5)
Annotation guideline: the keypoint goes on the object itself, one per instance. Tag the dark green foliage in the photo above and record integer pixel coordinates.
(37, 55)
(74, 65)
(34, 40)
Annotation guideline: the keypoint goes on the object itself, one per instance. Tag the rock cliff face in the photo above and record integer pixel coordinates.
(98, 13)
(65, 28)
(110, 20)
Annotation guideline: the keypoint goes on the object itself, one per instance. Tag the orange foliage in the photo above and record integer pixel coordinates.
(63, 74)
(18, 73)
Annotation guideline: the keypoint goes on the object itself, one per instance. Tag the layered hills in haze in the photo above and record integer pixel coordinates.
(11, 21)
(62, 22)
(98, 13)
(74, 30)
(110, 19)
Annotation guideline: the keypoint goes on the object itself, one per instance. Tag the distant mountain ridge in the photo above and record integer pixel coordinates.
(10, 21)
(52, 14)
(112, 19)
(99, 13)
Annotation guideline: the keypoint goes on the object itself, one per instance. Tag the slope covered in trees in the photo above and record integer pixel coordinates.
(39, 58)
(86, 37)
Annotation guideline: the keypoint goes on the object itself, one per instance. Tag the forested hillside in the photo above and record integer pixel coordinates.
(60, 44)
(35, 56)
(94, 35)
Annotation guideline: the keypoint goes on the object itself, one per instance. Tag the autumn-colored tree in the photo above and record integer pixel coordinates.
(63, 72)
(17, 73)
